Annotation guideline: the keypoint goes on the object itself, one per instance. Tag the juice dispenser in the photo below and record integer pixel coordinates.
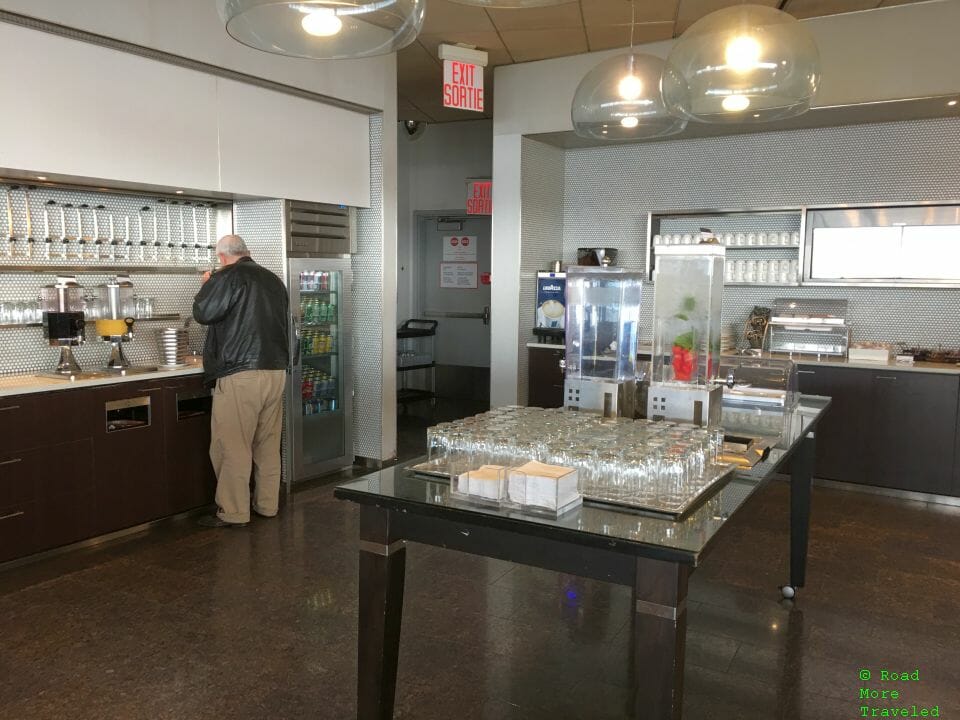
(63, 320)
(115, 318)
(602, 319)
(687, 301)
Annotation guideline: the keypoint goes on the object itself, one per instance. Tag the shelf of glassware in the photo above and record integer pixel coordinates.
(158, 316)
(193, 269)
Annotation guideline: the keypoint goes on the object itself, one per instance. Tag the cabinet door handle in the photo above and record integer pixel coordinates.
(9, 407)
(806, 372)
(885, 377)
(153, 389)
(11, 462)
(12, 515)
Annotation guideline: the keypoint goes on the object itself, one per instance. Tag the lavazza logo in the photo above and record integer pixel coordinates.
(554, 288)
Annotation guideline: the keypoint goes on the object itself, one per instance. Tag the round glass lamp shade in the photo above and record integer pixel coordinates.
(324, 29)
(746, 63)
(620, 100)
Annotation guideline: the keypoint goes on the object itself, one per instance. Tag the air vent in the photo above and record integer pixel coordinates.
(319, 229)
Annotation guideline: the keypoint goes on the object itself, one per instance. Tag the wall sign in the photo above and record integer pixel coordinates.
(479, 197)
(462, 76)
(462, 276)
(459, 248)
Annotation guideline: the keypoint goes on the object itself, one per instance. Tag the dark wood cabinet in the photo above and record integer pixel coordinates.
(46, 498)
(191, 481)
(842, 434)
(890, 428)
(127, 424)
(545, 377)
(83, 462)
(911, 428)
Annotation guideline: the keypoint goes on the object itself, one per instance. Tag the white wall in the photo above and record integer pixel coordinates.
(138, 120)
(885, 54)
(432, 170)
(193, 29)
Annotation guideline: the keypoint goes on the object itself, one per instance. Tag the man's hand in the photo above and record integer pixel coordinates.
(205, 277)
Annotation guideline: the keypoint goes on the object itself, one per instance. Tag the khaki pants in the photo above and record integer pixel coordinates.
(245, 430)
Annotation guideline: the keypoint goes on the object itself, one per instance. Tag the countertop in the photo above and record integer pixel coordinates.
(28, 384)
(927, 367)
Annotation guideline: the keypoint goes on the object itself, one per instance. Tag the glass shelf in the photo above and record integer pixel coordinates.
(157, 316)
(318, 292)
(313, 356)
(111, 268)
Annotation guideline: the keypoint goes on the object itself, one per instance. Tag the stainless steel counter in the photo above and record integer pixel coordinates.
(29, 384)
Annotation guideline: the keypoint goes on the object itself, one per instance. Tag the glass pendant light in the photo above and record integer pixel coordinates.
(620, 99)
(746, 63)
(324, 29)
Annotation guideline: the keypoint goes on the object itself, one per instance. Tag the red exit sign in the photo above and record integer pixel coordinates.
(462, 85)
(479, 197)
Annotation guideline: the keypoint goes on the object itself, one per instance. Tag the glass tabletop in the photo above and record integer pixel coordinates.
(685, 538)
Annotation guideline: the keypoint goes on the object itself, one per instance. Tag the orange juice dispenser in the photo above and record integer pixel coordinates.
(687, 301)
(115, 317)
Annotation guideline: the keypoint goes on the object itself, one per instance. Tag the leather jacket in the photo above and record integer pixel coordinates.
(247, 310)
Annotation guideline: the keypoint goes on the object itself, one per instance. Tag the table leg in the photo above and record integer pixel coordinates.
(659, 628)
(382, 563)
(801, 485)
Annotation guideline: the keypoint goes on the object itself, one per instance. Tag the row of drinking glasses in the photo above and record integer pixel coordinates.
(642, 462)
(29, 312)
(762, 271)
(740, 239)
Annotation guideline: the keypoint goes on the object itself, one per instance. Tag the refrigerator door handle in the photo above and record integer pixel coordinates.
(295, 360)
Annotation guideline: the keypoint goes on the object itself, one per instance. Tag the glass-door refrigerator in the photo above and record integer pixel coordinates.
(319, 402)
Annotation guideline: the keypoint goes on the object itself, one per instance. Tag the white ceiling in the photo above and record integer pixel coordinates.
(512, 36)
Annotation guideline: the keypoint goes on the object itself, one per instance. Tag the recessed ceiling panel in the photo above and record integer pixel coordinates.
(617, 12)
(605, 37)
(444, 17)
(526, 45)
(538, 18)
(816, 8)
(692, 10)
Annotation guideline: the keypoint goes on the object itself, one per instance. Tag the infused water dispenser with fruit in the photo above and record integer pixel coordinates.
(687, 301)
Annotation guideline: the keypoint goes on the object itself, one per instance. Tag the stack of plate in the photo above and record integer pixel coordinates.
(174, 346)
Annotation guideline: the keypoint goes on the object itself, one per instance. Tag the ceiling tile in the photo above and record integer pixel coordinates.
(692, 10)
(538, 18)
(604, 37)
(816, 8)
(617, 12)
(414, 66)
(526, 45)
(490, 41)
(443, 17)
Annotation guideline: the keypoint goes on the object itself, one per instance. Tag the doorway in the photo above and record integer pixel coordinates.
(451, 267)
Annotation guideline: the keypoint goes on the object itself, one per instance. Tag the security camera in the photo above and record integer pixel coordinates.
(414, 128)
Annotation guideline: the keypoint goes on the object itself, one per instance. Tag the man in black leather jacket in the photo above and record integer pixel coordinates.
(245, 358)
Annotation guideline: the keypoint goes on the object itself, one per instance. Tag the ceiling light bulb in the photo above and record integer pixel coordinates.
(322, 22)
(742, 53)
(629, 122)
(952, 103)
(735, 103)
(630, 87)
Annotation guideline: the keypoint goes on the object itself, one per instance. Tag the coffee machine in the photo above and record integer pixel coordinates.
(603, 316)
(63, 320)
(687, 300)
(115, 317)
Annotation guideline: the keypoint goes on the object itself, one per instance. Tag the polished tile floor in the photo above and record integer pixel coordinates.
(261, 623)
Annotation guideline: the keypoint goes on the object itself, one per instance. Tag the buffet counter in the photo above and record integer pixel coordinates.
(27, 384)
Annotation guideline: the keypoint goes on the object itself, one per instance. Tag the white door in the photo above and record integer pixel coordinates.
(454, 260)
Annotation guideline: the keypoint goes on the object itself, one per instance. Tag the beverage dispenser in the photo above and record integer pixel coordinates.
(687, 300)
(602, 319)
(115, 316)
(63, 320)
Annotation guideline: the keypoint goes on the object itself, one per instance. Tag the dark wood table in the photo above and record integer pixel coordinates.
(654, 555)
